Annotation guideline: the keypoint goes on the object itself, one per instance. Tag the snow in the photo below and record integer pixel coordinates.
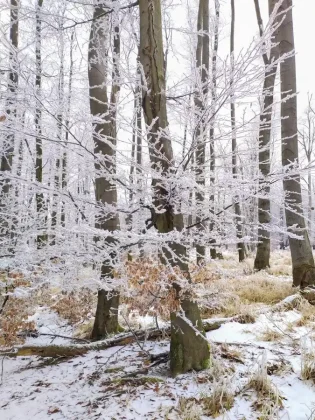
(48, 322)
(85, 388)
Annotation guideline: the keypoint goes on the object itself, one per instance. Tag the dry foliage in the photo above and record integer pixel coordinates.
(75, 306)
(15, 311)
(13, 320)
(152, 288)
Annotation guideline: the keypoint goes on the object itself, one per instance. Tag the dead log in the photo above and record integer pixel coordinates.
(118, 340)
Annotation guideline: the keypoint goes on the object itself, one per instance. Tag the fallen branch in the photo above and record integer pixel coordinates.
(118, 340)
(35, 334)
(6, 298)
(289, 303)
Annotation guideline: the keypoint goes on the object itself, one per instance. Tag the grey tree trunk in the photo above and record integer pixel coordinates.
(55, 202)
(189, 347)
(202, 65)
(106, 318)
(40, 204)
(136, 152)
(213, 251)
(237, 207)
(67, 128)
(262, 260)
(301, 251)
(6, 221)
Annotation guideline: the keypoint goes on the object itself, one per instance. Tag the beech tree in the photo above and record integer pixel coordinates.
(6, 222)
(213, 251)
(201, 97)
(104, 134)
(262, 260)
(237, 207)
(301, 250)
(189, 349)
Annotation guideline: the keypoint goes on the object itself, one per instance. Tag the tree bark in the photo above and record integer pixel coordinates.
(262, 260)
(202, 67)
(40, 205)
(237, 207)
(104, 136)
(162, 161)
(301, 251)
(6, 220)
(136, 151)
(64, 165)
(213, 251)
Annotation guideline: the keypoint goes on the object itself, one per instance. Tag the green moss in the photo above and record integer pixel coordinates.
(206, 364)
(120, 329)
(188, 351)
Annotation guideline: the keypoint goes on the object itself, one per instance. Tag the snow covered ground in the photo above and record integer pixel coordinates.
(119, 383)
(88, 386)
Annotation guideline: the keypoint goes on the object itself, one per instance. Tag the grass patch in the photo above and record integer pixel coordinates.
(308, 364)
(270, 335)
(188, 409)
(84, 330)
(257, 289)
(220, 400)
(268, 401)
(307, 313)
(242, 293)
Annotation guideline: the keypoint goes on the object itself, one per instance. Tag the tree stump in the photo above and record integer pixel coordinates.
(190, 349)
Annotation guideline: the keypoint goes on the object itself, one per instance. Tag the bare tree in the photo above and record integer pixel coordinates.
(40, 205)
(213, 251)
(136, 147)
(67, 128)
(262, 260)
(104, 135)
(301, 251)
(188, 349)
(6, 226)
(201, 95)
(237, 207)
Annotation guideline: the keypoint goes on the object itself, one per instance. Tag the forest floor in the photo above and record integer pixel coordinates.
(263, 366)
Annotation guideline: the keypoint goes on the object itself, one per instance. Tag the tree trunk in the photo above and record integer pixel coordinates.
(213, 251)
(104, 135)
(6, 220)
(136, 151)
(301, 251)
(310, 199)
(202, 67)
(162, 161)
(40, 205)
(237, 207)
(67, 128)
(262, 260)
